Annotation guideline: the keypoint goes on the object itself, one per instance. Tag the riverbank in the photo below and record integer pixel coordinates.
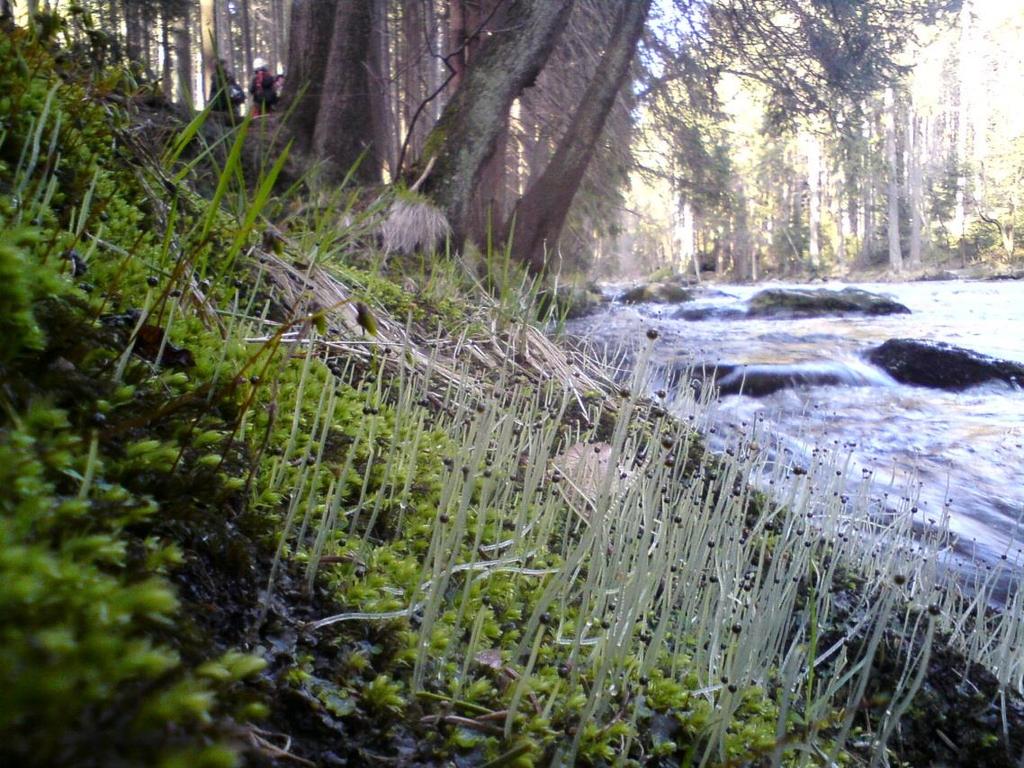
(267, 503)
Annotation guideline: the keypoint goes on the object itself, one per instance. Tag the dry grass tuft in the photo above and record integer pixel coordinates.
(413, 224)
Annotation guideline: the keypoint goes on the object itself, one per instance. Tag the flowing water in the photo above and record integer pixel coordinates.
(956, 452)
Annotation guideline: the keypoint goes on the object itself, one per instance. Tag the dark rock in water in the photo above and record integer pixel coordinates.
(762, 380)
(657, 293)
(708, 313)
(942, 366)
(801, 302)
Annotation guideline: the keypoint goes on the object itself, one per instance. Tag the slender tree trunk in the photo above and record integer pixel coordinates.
(167, 63)
(843, 228)
(133, 30)
(208, 31)
(963, 123)
(893, 194)
(914, 184)
(344, 122)
(245, 18)
(379, 72)
(814, 201)
(465, 137)
(183, 58)
(147, 25)
(226, 42)
(541, 213)
(412, 76)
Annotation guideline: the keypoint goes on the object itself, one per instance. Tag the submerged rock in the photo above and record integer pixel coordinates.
(942, 366)
(709, 313)
(657, 293)
(760, 380)
(802, 302)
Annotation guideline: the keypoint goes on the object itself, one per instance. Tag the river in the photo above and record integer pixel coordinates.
(961, 451)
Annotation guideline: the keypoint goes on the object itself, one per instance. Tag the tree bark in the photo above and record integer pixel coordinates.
(814, 202)
(893, 193)
(488, 208)
(963, 123)
(456, 40)
(133, 31)
(208, 31)
(309, 40)
(465, 137)
(540, 215)
(246, 24)
(414, 45)
(167, 63)
(183, 58)
(914, 184)
(344, 121)
(379, 72)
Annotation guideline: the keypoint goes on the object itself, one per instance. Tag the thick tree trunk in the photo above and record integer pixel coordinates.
(472, 123)
(488, 208)
(311, 29)
(208, 31)
(343, 125)
(541, 213)
(895, 252)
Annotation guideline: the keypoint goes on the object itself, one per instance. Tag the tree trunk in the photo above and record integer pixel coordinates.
(465, 137)
(541, 213)
(167, 63)
(457, 40)
(208, 31)
(895, 253)
(379, 72)
(963, 121)
(226, 42)
(344, 121)
(246, 24)
(414, 45)
(914, 184)
(843, 229)
(133, 32)
(814, 201)
(488, 208)
(183, 58)
(310, 31)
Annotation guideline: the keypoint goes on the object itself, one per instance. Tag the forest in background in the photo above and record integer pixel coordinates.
(748, 139)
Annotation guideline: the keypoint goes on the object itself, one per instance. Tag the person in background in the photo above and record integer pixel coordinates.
(225, 92)
(262, 89)
(278, 86)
